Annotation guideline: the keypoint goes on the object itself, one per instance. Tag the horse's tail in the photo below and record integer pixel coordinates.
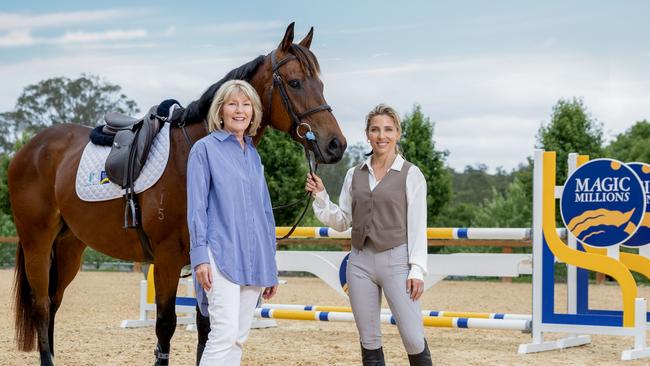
(24, 324)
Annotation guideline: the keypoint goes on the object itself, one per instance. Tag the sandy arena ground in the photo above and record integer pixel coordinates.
(88, 332)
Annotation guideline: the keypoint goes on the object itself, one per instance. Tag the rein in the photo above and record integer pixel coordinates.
(312, 169)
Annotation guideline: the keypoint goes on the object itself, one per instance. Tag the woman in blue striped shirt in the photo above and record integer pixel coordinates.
(232, 230)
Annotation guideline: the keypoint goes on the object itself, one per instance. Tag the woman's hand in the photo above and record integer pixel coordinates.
(204, 276)
(269, 292)
(414, 288)
(314, 184)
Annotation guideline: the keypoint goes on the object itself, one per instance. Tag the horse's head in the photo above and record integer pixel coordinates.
(293, 98)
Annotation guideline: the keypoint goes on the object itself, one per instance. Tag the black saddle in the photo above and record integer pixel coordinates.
(117, 121)
(130, 140)
(131, 145)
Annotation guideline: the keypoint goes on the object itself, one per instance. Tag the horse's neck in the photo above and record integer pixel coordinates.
(258, 136)
(261, 81)
(181, 146)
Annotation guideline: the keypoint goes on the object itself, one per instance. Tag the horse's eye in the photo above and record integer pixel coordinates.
(294, 84)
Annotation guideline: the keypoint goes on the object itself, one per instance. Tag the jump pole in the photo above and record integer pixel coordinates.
(428, 321)
(441, 233)
(427, 313)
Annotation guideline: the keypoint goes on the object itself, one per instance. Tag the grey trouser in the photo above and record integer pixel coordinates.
(369, 272)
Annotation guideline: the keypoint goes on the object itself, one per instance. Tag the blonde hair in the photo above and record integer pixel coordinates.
(224, 93)
(384, 110)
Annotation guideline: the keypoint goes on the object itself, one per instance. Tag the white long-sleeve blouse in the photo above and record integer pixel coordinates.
(340, 217)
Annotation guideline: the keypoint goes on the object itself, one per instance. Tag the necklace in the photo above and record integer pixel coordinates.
(384, 169)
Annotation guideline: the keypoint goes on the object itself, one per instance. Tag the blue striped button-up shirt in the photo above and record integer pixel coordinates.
(229, 212)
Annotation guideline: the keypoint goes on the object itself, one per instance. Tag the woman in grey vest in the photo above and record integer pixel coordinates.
(384, 201)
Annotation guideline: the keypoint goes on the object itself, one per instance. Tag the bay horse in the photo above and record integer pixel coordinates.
(55, 226)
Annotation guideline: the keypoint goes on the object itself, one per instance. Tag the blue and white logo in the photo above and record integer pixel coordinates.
(603, 203)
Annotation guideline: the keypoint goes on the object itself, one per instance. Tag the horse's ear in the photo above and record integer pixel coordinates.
(285, 45)
(306, 42)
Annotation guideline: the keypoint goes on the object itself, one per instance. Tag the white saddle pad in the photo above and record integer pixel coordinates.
(93, 184)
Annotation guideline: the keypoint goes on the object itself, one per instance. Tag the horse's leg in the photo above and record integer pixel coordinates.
(32, 277)
(203, 328)
(166, 273)
(68, 251)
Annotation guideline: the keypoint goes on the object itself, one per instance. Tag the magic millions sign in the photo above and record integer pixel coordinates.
(604, 202)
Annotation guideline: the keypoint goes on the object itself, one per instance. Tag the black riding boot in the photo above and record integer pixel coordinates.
(372, 357)
(421, 359)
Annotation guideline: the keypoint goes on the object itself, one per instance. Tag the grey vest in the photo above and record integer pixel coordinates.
(379, 216)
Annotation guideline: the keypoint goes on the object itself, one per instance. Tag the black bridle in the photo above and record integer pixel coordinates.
(296, 124)
(296, 118)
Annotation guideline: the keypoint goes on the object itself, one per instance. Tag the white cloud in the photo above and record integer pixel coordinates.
(10, 21)
(145, 79)
(375, 29)
(494, 140)
(19, 28)
(236, 28)
(21, 38)
(17, 38)
(110, 35)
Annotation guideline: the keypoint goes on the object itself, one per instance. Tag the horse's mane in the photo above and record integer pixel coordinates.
(197, 111)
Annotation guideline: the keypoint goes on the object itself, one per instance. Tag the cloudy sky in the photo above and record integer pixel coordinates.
(486, 72)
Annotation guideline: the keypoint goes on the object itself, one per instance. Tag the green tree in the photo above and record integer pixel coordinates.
(471, 188)
(572, 129)
(419, 148)
(84, 100)
(457, 215)
(475, 184)
(513, 209)
(631, 145)
(285, 169)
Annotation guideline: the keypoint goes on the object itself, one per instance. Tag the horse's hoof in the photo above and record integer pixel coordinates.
(161, 362)
(199, 353)
(162, 359)
(46, 359)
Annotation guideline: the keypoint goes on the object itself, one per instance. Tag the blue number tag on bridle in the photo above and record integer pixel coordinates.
(310, 136)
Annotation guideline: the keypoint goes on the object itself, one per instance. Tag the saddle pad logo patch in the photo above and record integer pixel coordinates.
(96, 178)
(603, 203)
(104, 178)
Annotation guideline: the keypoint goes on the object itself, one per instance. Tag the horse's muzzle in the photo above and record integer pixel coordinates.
(331, 151)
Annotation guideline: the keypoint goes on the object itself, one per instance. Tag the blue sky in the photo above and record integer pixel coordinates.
(487, 73)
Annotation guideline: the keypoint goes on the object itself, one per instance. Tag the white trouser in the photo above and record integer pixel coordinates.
(231, 308)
